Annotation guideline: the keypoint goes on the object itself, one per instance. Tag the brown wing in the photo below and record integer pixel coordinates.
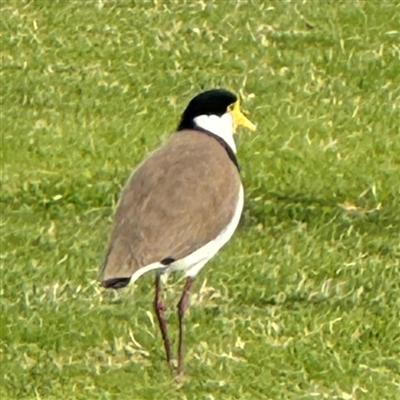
(178, 200)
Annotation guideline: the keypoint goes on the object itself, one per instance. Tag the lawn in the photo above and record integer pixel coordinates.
(304, 301)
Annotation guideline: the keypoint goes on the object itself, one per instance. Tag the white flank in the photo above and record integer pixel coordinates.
(194, 262)
(145, 269)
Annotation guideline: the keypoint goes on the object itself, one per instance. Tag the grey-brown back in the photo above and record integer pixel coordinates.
(178, 200)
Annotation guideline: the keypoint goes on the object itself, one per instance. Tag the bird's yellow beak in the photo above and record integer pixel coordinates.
(239, 119)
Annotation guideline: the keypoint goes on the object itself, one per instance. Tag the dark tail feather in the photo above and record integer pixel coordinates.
(117, 268)
(116, 283)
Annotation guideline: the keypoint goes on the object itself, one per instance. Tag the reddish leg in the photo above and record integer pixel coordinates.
(159, 308)
(182, 306)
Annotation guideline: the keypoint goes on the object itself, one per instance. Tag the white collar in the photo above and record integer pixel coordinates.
(221, 126)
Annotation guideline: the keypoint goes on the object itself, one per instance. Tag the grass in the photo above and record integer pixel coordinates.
(304, 302)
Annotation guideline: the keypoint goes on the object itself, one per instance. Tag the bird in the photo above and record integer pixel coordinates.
(180, 205)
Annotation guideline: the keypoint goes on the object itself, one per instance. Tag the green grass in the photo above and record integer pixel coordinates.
(304, 302)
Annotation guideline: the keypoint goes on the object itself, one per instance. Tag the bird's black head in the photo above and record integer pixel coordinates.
(211, 102)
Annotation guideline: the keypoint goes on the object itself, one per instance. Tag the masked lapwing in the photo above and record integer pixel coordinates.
(181, 205)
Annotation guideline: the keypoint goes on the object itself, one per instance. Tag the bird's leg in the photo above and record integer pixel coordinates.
(182, 306)
(159, 308)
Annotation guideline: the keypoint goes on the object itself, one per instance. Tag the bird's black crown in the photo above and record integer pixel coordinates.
(211, 102)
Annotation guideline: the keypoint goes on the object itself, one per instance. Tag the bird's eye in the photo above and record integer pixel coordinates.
(231, 107)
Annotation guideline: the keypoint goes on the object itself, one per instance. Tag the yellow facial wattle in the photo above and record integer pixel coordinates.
(239, 119)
